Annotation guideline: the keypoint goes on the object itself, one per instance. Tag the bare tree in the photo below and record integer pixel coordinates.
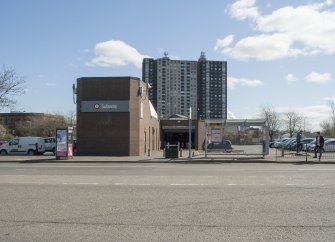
(332, 113)
(71, 119)
(293, 121)
(272, 118)
(37, 126)
(328, 126)
(10, 85)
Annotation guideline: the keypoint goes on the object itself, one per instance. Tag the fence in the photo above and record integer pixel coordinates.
(246, 139)
(303, 155)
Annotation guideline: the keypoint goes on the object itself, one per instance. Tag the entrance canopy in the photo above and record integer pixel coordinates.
(239, 122)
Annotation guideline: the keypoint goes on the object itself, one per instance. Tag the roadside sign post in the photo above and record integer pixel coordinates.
(64, 143)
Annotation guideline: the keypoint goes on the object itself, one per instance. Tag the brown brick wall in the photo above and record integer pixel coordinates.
(112, 133)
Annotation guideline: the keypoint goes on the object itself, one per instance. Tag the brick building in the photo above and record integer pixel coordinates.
(115, 117)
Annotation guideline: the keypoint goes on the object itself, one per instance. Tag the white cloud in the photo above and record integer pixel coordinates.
(262, 47)
(332, 98)
(84, 51)
(116, 53)
(290, 78)
(231, 115)
(243, 9)
(288, 31)
(233, 82)
(314, 114)
(318, 78)
(50, 84)
(222, 43)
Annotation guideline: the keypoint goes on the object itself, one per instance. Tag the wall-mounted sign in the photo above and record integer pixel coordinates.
(216, 135)
(105, 106)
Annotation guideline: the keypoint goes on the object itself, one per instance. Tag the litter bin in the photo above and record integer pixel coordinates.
(171, 151)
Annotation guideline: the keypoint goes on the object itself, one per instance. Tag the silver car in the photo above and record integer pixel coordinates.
(329, 145)
(50, 144)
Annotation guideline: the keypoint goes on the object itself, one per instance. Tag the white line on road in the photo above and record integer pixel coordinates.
(85, 183)
(72, 166)
(185, 184)
(132, 184)
(316, 169)
(172, 184)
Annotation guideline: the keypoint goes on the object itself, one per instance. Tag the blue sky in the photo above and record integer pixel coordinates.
(279, 53)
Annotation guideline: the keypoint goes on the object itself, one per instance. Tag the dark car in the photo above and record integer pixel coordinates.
(224, 145)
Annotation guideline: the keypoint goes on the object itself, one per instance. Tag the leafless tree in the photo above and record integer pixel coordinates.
(11, 85)
(332, 113)
(272, 118)
(293, 121)
(37, 126)
(328, 126)
(71, 119)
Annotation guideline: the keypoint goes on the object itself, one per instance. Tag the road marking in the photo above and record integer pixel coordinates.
(85, 183)
(189, 184)
(131, 184)
(306, 184)
(316, 169)
(92, 166)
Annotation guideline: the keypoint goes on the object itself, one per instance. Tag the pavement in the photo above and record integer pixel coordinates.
(158, 157)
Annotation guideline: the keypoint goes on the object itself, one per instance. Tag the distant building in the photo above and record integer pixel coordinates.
(177, 85)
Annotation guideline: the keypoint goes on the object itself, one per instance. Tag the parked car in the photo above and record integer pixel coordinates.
(50, 144)
(279, 143)
(272, 142)
(286, 144)
(291, 145)
(311, 145)
(329, 145)
(304, 143)
(24, 145)
(224, 145)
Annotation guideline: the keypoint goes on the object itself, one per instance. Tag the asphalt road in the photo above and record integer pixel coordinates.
(166, 202)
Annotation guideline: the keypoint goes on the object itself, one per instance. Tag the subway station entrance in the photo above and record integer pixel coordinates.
(176, 129)
(180, 137)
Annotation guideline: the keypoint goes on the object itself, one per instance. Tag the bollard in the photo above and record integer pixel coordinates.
(282, 152)
(149, 152)
(181, 152)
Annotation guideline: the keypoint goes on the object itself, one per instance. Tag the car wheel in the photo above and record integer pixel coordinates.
(31, 152)
(3, 152)
(228, 150)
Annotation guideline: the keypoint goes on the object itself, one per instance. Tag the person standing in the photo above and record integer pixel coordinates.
(299, 144)
(318, 145)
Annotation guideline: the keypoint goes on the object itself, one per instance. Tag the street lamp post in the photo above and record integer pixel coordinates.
(206, 138)
(189, 134)
(206, 133)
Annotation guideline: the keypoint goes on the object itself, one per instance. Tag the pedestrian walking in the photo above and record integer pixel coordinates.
(299, 144)
(318, 145)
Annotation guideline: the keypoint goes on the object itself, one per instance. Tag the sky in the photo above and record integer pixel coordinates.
(279, 53)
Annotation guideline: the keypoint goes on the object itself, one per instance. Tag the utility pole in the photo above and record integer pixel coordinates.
(189, 133)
